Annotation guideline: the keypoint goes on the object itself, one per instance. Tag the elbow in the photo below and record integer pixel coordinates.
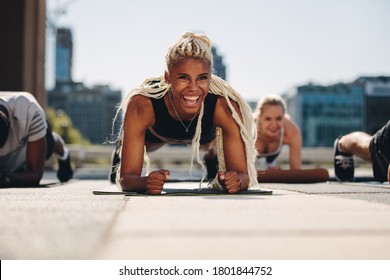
(33, 181)
(37, 178)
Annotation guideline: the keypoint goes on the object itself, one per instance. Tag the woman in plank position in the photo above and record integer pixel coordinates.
(275, 129)
(188, 105)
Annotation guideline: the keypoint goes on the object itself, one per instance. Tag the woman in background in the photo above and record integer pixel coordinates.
(275, 129)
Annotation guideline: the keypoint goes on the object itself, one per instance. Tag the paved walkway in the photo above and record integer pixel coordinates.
(299, 221)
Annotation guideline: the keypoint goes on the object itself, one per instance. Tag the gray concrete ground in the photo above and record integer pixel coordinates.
(299, 221)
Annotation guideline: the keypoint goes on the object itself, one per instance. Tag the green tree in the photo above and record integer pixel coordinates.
(61, 123)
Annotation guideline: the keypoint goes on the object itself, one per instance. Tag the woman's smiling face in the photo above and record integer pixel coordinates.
(271, 120)
(190, 81)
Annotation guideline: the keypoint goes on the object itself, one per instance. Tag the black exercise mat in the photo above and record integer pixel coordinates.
(180, 192)
(41, 185)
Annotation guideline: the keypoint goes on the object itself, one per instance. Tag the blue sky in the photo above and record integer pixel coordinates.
(268, 46)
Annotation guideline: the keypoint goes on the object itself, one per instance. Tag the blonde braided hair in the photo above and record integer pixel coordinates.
(191, 45)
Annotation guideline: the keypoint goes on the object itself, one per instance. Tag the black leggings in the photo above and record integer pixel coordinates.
(380, 152)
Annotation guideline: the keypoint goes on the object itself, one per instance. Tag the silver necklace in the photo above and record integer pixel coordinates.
(174, 109)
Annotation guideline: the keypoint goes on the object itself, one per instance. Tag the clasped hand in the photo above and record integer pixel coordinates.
(230, 181)
(155, 181)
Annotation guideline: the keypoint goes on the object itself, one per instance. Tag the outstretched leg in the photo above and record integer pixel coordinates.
(356, 143)
(374, 149)
(344, 166)
(55, 144)
(65, 172)
(380, 153)
(345, 147)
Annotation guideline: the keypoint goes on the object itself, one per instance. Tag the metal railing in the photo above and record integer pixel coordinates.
(174, 154)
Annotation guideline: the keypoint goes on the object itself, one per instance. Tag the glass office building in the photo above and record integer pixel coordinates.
(325, 112)
(376, 111)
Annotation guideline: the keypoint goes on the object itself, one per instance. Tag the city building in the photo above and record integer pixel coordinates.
(376, 111)
(219, 66)
(325, 112)
(63, 55)
(91, 109)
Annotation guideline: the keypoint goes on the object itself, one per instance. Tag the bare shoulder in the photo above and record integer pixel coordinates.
(291, 129)
(222, 105)
(223, 113)
(140, 107)
(139, 104)
(139, 101)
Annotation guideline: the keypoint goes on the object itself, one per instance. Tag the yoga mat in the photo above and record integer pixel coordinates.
(315, 175)
(113, 190)
(41, 185)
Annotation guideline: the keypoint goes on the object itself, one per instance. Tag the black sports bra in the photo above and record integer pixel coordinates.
(168, 130)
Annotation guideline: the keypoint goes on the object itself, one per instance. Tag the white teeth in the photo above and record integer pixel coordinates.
(190, 99)
(193, 98)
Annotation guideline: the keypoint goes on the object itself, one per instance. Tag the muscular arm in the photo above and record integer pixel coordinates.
(139, 116)
(35, 160)
(236, 176)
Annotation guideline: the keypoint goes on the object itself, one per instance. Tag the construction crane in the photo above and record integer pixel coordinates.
(59, 9)
(55, 10)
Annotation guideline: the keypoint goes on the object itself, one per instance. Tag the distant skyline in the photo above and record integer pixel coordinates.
(267, 46)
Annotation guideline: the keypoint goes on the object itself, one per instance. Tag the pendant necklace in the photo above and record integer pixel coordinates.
(174, 109)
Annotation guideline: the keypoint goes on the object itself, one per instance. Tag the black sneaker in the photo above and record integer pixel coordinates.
(65, 172)
(211, 166)
(114, 165)
(343, 164)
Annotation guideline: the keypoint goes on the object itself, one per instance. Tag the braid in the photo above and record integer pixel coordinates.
(248, 133)
(190, 45)
(195, 146)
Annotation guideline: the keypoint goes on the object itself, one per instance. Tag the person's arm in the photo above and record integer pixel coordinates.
(139, 116)
(35, 164)
(236, 177)
(294, 140)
